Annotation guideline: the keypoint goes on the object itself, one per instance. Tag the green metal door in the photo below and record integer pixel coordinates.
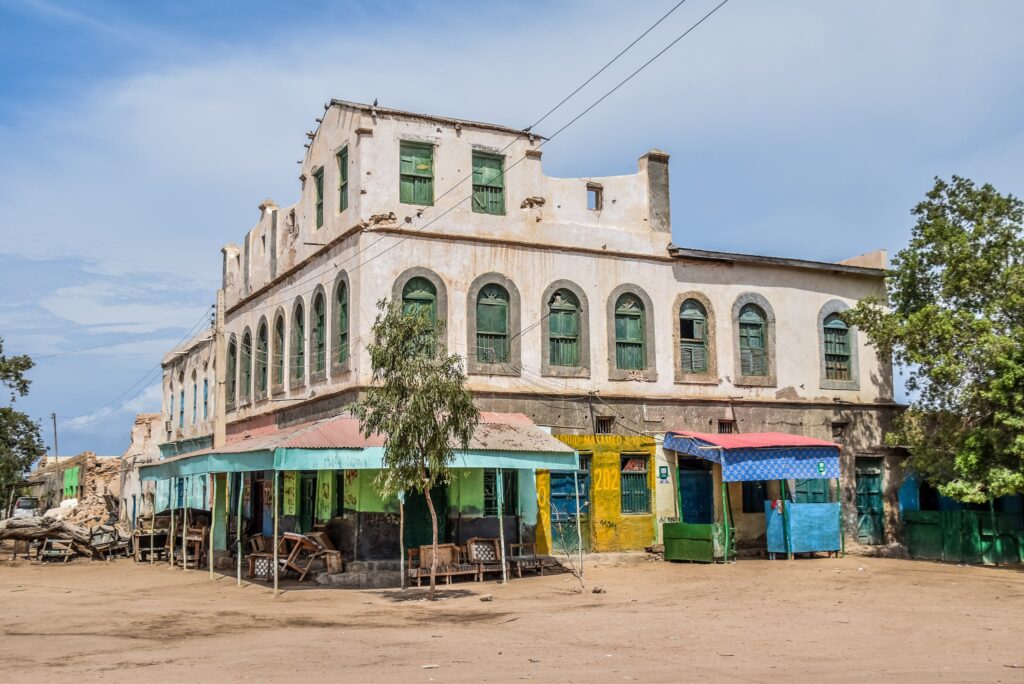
(307, 501)
(417, 517)
(869, 501)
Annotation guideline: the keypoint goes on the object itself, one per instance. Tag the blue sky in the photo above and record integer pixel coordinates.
(138, 138)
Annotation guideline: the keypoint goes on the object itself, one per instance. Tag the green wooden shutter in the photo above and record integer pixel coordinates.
(298, 345)
(492, 325)
(563, 330)
(232, 372)
(319, 334)
(416, 173)
(488, 184)
(342, 323)
(629, 334)
(343, 179)
(318, 181)
(837, 349)
(279, 350)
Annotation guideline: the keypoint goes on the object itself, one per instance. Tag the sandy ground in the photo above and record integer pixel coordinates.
(806, 620)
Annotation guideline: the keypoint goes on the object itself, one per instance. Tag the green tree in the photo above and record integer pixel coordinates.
(419, 403)
(20, 443)
(955, 320)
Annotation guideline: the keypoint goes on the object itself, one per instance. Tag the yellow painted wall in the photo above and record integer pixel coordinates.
(610, 529)
(543, 531)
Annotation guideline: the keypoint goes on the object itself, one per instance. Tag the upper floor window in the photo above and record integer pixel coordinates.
(181, 409)
(564, 329)
(419, 294)
(416, 173)
(262, 350)
(319, 340)
(343, 179)
(172, 406)
(753, 356)
(492, 343)
(693, 337)
(206, 399)
(298, 345)
(837, 348)
(629, 333)
(195, 402)
(595, 197)
(341, 304)
(232, 372)
(246, 365)
(279, 337)
(488, 183)
(318, 189)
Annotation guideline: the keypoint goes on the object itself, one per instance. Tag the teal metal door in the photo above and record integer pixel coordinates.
(869, 501)
(307, 501)
(697, 499)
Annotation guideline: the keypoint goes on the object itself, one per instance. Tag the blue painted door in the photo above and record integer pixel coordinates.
(563, 510)
(696, 493)
(869, 501)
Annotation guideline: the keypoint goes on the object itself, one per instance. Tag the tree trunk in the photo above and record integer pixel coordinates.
(433, 555)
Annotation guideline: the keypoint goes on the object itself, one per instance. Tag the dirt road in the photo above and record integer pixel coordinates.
(807, 620)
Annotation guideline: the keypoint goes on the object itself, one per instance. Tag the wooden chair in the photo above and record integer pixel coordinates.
(194, 546)
(485, 555)
(330, 556)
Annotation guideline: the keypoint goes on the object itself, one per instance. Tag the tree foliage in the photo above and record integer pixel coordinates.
(20, 442)
(955, 319)
(419, 404)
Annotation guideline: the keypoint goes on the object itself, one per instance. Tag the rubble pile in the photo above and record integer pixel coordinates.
(93, 508)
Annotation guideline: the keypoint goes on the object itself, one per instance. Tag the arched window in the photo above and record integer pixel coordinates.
(693, 337)
(419, 294)
(753, 356)
(278, 376)
(195, 399)
(181, 409)
(629, 333)
(232, 372)
(837, 348)
(298, 345)
(206, 398)
(492, 325)
(246, 365)
(319, 340)
(262, 349)
(564, 329)
(341, 302)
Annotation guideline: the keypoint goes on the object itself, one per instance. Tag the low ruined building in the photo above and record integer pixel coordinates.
(571, 306)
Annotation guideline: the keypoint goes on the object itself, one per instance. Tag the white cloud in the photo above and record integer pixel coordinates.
(107, 307)
(146, 401)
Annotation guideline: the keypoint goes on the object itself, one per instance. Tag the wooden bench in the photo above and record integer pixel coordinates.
(450, 563)
(524, 557)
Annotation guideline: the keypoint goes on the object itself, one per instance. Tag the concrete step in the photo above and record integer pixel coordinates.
(384, 579)
(372, 566)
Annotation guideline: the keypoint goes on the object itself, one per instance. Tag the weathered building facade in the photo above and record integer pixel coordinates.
(567, 298)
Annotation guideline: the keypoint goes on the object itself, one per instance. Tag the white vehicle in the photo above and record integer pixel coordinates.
(26, 507)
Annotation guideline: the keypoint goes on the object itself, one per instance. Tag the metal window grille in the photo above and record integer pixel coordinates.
(605, 425)
(635, 493)
(510, 493)
(726, 427)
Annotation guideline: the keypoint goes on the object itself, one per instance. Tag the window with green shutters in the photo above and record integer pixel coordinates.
(246, 365)
(811, 491)
(262, 351)
(342, 306)
(510, 492)
(416, 173)
(206, 399)
(754, 495)
(629, 333)
(298, 345)
(492, 344)
(753, 356)
(279, 337)
(693, 341)
(181, 409)
(564, 329)
(837, 349)
(318, 185)
(419, 294)
(488, 183)
(635, 493)
(232, 372)
(319, 334)
(172, 405)
(195, 403)
(343, 179)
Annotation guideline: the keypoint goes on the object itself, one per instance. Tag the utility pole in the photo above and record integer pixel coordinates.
(220, 361)
(56, 458)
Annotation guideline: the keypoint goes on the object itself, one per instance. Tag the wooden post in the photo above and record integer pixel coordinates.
(842, 534)
(579, 528)
(152, 524)
(785, 519)
(501, 524)
(170, 538)
(184, 529)
(727, 519)
(401, 536)
(238, 525)
(213, 524)
(276, 508)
